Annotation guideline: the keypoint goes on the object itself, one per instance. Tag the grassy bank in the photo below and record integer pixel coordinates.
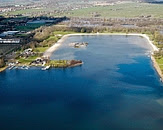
(26, 61)
(40, 49)
(64, 63)
(159, 60)
(58, 63)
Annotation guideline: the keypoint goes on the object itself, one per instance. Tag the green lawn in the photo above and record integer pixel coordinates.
(27, 60)
(160, 62)
(57, 35)
(52, 38)
(41, 49)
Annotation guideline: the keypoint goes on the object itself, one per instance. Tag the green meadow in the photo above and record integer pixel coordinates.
(128, 10)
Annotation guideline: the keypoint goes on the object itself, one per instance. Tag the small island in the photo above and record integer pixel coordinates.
(78, 44)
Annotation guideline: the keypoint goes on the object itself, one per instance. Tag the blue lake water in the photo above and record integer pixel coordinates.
(116, 88)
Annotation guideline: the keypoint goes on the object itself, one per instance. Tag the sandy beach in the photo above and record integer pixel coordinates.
(50, 51)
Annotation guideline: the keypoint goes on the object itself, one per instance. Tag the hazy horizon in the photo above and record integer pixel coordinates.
(80, 0)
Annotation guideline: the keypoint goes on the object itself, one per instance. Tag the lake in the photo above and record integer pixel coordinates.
(116, 88)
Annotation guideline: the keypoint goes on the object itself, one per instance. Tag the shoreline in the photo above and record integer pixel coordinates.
(3, 69)
(52, 49)
(157, 68)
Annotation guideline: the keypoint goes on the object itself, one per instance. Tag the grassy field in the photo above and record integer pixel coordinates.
(27, 61)
(160, 63)
(128, 10)
(56, 35)
(120, 10)
(58, 63)
(41, 49)
(52, 38)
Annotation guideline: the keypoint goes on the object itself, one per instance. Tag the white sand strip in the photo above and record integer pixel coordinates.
(50, 50)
